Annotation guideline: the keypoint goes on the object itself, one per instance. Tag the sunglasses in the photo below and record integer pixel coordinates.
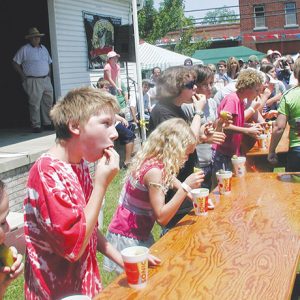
(190, 85)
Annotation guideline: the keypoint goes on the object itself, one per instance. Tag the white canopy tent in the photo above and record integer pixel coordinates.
(152, 56)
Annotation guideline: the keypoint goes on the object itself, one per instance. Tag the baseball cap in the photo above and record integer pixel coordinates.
(253, 58)
(270, 52)
(112, 54)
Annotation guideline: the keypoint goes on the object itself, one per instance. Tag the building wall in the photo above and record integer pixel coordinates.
(69, 55)
(276, 35)
(15, 181)
(215, 32)
(68, 40)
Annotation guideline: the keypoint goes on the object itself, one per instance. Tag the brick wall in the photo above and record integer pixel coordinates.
(271, 7)
(274, 22)
(15, 181)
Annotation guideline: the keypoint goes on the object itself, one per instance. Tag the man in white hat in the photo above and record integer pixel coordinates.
(112, 73)
(32, 63)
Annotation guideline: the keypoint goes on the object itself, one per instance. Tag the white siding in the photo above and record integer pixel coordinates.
(68, 40)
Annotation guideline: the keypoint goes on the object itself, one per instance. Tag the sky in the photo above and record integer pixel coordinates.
(204, 4)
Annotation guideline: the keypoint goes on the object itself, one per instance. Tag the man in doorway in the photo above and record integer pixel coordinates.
(32, 63)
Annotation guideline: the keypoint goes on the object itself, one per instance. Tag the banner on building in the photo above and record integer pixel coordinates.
(99, 31)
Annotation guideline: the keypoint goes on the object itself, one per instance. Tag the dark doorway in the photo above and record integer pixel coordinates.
(15, 19)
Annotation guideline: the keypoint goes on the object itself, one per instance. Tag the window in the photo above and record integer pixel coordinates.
(290, 13)
(259, 16)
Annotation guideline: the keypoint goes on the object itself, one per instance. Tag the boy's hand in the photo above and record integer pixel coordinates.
(216, 138)
(7, 274)
(199, 101)
(272, 158)
(124, 122)
(108, 167)
(206, 129)
(255, 130)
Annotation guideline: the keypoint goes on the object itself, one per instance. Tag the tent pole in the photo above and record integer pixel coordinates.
(138, 69)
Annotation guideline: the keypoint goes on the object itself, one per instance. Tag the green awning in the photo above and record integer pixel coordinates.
(212, 56)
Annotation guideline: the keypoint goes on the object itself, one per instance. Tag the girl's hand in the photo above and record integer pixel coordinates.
(153, 260)
(107, 167)
(195, 179)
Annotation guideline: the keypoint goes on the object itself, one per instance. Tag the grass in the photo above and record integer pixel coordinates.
(16, 291)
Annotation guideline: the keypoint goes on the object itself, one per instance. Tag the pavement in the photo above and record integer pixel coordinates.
(19, 147)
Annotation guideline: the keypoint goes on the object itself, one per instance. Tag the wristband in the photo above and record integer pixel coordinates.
(200, 113)
(186, 187)
(252, 109)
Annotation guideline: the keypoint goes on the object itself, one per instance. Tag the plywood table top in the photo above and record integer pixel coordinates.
(282, 147)
(246, 248)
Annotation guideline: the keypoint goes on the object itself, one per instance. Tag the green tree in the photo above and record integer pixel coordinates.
(146, 19)
(186, 45)
(154, 25)
(220, 15)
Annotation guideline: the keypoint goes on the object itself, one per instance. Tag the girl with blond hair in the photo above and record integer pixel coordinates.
(152, 172)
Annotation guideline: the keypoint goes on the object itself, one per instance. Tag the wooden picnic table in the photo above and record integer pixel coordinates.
(257, 158)
(246, 248)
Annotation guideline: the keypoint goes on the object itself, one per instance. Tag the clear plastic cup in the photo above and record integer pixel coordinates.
(224, 182)
(262, 141)
(136, 266)
(200, 201)
(239, 168)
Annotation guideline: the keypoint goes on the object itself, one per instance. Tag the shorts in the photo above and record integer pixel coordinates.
(293, 160)
(126, 134)
(121, 242)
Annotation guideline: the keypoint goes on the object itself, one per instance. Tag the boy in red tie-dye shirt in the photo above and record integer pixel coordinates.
(62, 207)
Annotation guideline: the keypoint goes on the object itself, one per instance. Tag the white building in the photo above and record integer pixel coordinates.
(65, 37)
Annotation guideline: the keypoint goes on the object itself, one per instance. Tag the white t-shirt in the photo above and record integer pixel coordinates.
(35, 61)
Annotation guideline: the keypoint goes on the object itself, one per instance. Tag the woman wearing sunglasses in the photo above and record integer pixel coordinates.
(174, 87)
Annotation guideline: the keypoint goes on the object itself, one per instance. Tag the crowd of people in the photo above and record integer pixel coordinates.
(187, 130)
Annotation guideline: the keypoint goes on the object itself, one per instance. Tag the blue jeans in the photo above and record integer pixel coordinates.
(293, 160)
(207, 183)
(220, 161)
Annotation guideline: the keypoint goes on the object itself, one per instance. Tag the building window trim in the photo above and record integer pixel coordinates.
(290, 10)
(259, 17)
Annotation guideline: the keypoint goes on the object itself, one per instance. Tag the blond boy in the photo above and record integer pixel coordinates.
(62, 206)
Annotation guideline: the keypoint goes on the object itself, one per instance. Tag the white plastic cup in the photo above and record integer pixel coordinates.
(77, 297)
(136, 266)
(262, 141)
(200, 201)
(239, 168)
(224, 182)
